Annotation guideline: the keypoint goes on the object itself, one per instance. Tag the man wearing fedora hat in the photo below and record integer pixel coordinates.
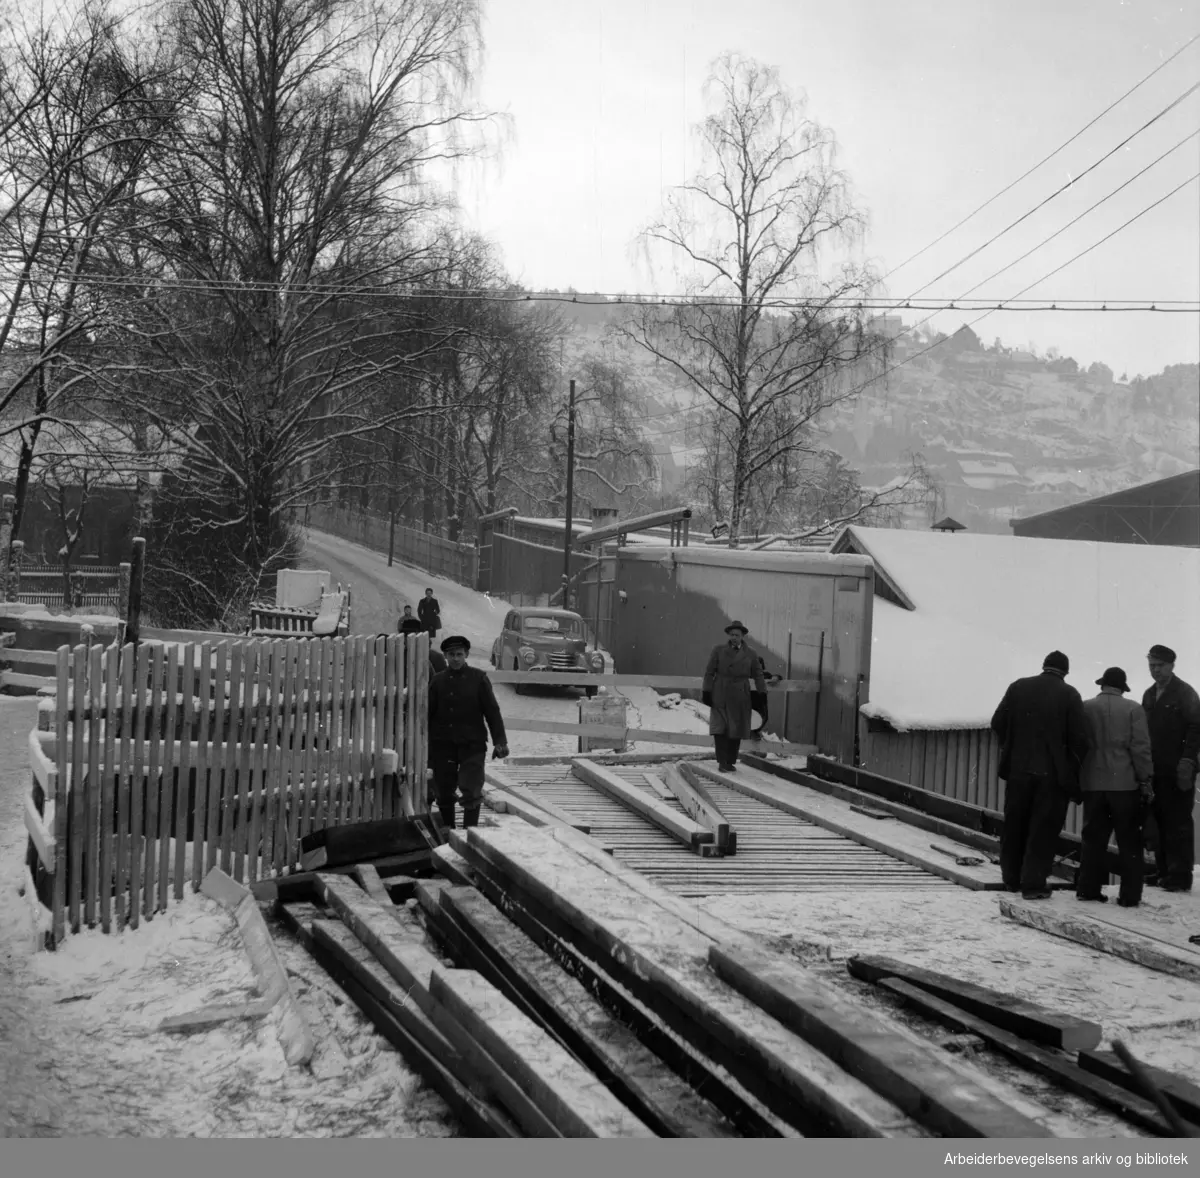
(1115, 779)
(1173, 716)
(732, 666)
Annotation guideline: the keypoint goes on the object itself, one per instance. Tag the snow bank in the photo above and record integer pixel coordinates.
(989, 608)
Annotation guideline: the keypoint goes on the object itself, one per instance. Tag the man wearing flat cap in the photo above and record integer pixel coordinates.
(1116, 777)
(1043, 741)
(462, 711)
(732, 667)
(1173, 716)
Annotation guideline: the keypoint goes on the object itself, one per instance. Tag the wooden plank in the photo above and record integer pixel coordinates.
(203, 720)
(183, 775)
(569, 1095)
(164, 784)
(655, 782)
(1179, 1090)
(910, 1074)
(679, 827)
(262, 764)
(134, 851)
(226, 891)
(504, 782)
(508, 958)
(900, 842)
(359, 841)
(213, 757)
(344, 761)
(654, 735)
(294, 1034)
(686, 783)
(63, 755)
(109, 832)
(95, 791)
(379, 729)
(664, 963)
(371, 883)
(364, 737)
(1022, 1017)
(553, 936)
(1062, 1071)
(302, 885)
(78, 792)
(373, 992)
(43, 839)
(236, 684)
(298, 654)
(274, 777)
(315, 653)
(210, 1016)
(42, 753)
(1154, 954)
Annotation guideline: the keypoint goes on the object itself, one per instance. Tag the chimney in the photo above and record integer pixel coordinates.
(603, 516)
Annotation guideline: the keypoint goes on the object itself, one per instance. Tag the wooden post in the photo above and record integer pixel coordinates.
(123, 571)
(7, 507)
(137, 569)
(391, 539)
(17, 549)
(787, 695)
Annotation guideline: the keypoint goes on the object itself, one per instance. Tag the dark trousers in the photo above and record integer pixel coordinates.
(1175, 831)
(1105, 812)
(1034, 809)
(727, 749)
(458, 771)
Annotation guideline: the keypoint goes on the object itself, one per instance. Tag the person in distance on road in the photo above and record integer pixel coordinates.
(1116, 782)
(462, 711)
(732, 667)
(408, 624)
(429, 613)
(1043, 735)
(1173, 716)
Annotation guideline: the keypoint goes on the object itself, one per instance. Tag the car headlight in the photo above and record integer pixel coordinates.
(528, 657)
(597, 660)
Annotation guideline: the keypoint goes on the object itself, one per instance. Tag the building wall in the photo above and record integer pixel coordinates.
(807, 614)
(108, 524)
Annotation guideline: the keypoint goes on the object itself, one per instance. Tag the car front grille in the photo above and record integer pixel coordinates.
(562, 662)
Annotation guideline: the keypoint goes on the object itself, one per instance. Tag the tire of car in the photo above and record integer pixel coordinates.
(591, 691)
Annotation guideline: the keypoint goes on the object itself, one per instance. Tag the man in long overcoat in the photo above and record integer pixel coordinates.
(429, 613)
(1173, 715)
(1043, 740)
(727, 691)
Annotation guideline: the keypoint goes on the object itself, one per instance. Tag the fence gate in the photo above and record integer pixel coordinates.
(155, 763)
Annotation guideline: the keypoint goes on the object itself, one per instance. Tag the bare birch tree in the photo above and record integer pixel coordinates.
(762, 239)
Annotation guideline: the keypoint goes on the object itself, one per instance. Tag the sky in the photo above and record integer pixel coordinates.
(937, 106)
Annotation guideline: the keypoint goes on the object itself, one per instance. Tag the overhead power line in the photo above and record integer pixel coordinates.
(1059, 191)
(1045, 159)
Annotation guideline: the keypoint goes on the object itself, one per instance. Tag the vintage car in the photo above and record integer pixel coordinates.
(536, 638)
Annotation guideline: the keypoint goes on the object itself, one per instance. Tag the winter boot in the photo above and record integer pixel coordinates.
(470, 817)
(447, 813)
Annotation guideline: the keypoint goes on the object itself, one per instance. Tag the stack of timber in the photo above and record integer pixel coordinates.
(1058, 1047)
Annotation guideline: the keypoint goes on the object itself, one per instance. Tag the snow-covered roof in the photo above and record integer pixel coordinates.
(988, 608)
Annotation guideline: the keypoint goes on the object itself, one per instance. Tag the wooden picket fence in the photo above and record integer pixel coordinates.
(155, 763)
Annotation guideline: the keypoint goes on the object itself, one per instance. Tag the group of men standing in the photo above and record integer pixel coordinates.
(1127, 763)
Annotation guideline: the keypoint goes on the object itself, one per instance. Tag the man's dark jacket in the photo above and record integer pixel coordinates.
(1174, 722)
(1043, 731)
(461, 703)
(429, 612)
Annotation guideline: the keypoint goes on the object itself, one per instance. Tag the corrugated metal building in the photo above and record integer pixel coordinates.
(809, 617)
(1163, 512)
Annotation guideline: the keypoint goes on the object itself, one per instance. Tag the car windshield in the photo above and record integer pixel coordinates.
(544, 624)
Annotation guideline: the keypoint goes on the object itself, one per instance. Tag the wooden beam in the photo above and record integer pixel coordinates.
(664, 963)
(222, 888)
(42, 838)
(653, 735)
(687, 784)
(679, 827)
(368, 877)
(1062, 1071)
(211, 1016)
(302, 885)
(911, 1075)
(567, 1094)
(1181, 1092)
(566, 1008)
(531, 798)
(663, 682)
(1145, 950)
(41, 759)
(358, 842)
(1024, 1018)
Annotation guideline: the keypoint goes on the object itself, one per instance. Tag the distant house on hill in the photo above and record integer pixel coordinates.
(1166, 511)
(958, 617)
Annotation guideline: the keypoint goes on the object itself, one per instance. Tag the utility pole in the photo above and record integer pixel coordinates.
(570, 491)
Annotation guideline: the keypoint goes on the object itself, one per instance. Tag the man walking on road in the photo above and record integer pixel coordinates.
(429, 613)
(462, 711)
(1043, 741)
(1115, 780)
(1173, 715)
(732, 666)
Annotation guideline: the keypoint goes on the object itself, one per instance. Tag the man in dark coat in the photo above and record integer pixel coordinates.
(1043, 740)
(727, 692)
(462, 711)
(1115, 778)
(1173, 716)
(429, 613)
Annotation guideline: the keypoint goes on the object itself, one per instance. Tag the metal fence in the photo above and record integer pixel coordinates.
(423, 550)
